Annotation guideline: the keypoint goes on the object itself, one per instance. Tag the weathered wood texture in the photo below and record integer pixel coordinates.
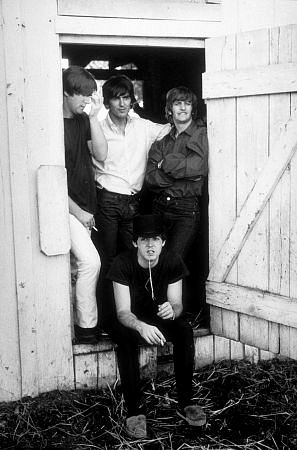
(35, 338)
(96, 366)
(164, 19)
(252, 185)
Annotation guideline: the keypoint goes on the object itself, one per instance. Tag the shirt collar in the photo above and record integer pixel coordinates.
(189, 130)
(111, 124)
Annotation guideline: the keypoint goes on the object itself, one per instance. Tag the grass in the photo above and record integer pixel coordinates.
(248, 406)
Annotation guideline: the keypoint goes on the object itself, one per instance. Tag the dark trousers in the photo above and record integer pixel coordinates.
(181, 217)
(114, 217)
(178, 332)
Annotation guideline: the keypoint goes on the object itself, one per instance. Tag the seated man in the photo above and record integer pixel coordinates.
(147, 282)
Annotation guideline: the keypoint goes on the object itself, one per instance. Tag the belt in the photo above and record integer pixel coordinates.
(105, 191)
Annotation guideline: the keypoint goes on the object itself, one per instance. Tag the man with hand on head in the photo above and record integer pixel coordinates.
(83, 138)
(147, 283)
(120, 175)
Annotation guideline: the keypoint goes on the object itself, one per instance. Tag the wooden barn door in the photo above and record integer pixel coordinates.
(250, 89)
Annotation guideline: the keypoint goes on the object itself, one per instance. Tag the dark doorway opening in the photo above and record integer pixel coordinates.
(155, 70)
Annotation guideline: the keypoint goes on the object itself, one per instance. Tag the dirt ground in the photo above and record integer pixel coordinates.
(248, 407)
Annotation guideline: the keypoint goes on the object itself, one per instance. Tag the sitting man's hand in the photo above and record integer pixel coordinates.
(152, 334)
(165, 311)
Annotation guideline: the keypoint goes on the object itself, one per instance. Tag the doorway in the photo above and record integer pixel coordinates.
(155, 70)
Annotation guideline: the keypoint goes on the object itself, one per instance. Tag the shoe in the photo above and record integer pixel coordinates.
(136, 427)
(88, 336)
(194, 415)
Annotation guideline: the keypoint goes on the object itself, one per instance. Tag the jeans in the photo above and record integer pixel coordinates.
(178, 332)
(182, 218)
(114, 222)
(88, 268)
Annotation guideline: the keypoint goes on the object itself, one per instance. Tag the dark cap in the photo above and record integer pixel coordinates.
(148, 225)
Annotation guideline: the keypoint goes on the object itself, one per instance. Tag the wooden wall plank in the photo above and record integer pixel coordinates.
(266, 356)
(44, 138)
(293, 187)
(236, 350)
(10, 371)
(253, 302)
(221, 349)
(251, 354)
(14, 33)
(148, 9)
(204, 351)
(256, 201)
(273, 336)
(266, 79)
(86, 371)
(254, 332)
(252, 154)
(280, 104)
(220, 55)
(91, 26)
(107, 369)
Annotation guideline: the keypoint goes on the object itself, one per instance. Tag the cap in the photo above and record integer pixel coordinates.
(148, 225)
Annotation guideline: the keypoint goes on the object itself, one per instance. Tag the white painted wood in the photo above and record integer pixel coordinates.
(14, 32)
(10, 370)
(284, 341)
(236, 350)
(293, 187)
(253, 302)
(279, 204)
(242, 15)
(204, 351)
(53, 211)
(273, 336)
(270, 79)
(221, 349)
(141, 27)
(254, 331)
(86, 371)
(256, 201)
(251, 354)
(42, 109)
(148, 9)
(216, 321)
(252, 154)
(266, 356)
(220, 54)
(140, 41)
(107, 369)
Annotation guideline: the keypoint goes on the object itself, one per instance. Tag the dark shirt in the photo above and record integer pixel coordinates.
(185, 162)
(80, 176)
(126, 270)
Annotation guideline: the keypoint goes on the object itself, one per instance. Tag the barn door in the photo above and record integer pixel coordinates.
(250, 88)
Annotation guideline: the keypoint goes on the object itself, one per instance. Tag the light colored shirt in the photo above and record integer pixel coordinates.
(124, 168)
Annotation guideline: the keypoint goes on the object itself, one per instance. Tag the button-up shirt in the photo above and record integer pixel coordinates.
(124, 167)
(179, 165)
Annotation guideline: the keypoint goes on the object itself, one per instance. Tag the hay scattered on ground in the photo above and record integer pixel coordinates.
(248, 407)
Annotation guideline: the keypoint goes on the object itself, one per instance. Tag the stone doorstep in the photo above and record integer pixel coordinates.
(105, 344)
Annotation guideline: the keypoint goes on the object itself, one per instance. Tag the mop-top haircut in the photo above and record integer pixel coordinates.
(116, 86)
(177, 94)
(77, 80)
